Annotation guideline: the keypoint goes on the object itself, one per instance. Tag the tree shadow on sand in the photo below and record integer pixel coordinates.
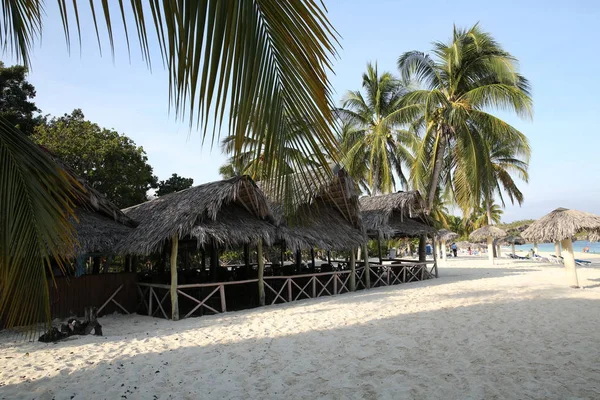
(533, 348)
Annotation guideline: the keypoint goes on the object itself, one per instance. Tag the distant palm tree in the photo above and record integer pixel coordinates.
(254, 158)
(248, 64)
(460, 83)
(372, 143)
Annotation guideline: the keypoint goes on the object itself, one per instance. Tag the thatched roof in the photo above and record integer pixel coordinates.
(445, 235)
(486, 232)
(100, 224)
(514, 239)
(561, 224)
(394, 215)
(325, 215)
(97, 233)
(228, 212)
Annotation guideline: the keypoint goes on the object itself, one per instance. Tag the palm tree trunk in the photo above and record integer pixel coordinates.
(488, 209)
(435, 177)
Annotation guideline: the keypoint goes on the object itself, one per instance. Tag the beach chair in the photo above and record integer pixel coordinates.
(582, 263)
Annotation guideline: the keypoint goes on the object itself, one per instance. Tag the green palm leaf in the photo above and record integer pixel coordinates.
(36, 201)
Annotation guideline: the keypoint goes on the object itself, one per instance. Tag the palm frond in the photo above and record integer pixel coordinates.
(36, 203)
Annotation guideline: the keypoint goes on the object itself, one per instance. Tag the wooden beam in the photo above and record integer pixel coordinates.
(435, 248)
(569, 260)
(174, 298)
(352, 271)
(261, 273)
(367, 270)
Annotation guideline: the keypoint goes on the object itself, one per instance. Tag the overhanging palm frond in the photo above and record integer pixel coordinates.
(245, 64)
(36, 201)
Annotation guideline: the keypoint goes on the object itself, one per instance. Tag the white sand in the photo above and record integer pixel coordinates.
(514, 330)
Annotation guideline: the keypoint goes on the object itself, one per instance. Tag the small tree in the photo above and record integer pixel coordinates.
(16, 94)
(174, 184)
(110, 162)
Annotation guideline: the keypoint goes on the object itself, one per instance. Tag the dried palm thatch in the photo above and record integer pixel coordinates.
(394, 215)
(561, 224)
(444, 235)
(486, 232)
(228, 212)
(99, 224)
(325, 216)
(97, 233)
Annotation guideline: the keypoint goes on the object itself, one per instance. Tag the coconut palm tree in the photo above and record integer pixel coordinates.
(374, 146)
(459, 85)
(242, 63)
(254, 157)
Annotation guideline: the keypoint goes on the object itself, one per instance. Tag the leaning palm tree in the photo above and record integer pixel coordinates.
(372, 142)
(459, 84)
(242, 63)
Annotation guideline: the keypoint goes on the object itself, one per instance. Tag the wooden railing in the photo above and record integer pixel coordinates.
(212, 297)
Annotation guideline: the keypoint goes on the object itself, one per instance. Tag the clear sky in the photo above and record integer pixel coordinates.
(555, 41)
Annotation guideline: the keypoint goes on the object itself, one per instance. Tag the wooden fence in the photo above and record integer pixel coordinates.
(107, 292)
(214, 298)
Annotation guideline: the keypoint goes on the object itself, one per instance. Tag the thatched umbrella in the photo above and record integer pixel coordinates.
(512, 240)
(561, 225)
(443, 236)
(488, 232)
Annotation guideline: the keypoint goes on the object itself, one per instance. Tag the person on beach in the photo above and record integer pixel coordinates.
(469, 250)
(454, 248)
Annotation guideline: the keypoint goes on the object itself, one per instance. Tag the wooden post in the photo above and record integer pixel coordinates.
(535, 247)
(498, 250)
(490, 247)
(289, 289)
(379, 251)
(569, 260)
(367, 270)
(312, 257)
(329, 258)
(282, 253)
(223, 299)
(512, 247)
(174, 300)
(434, 257)
(352, 271)
(261, 274)
(557, 249)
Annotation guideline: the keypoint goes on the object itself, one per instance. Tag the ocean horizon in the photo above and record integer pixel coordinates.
(549, 247)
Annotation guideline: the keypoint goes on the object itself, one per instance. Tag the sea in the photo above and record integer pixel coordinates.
(549, 247)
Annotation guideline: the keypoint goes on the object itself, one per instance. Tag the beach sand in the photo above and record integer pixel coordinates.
(512, 330)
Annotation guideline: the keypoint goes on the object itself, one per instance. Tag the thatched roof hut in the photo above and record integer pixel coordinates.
(487, 231)
(325, 216)
(561, 224)
(227, 212)
(99, 224)
(444, 235)
(394, 215)
(514, 239)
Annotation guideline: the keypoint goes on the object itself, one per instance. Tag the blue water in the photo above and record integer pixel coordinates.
(549, 247)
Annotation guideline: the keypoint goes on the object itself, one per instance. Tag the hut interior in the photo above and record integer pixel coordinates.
(398, 215)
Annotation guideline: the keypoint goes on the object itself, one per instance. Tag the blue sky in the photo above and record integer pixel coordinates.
(555, 41)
